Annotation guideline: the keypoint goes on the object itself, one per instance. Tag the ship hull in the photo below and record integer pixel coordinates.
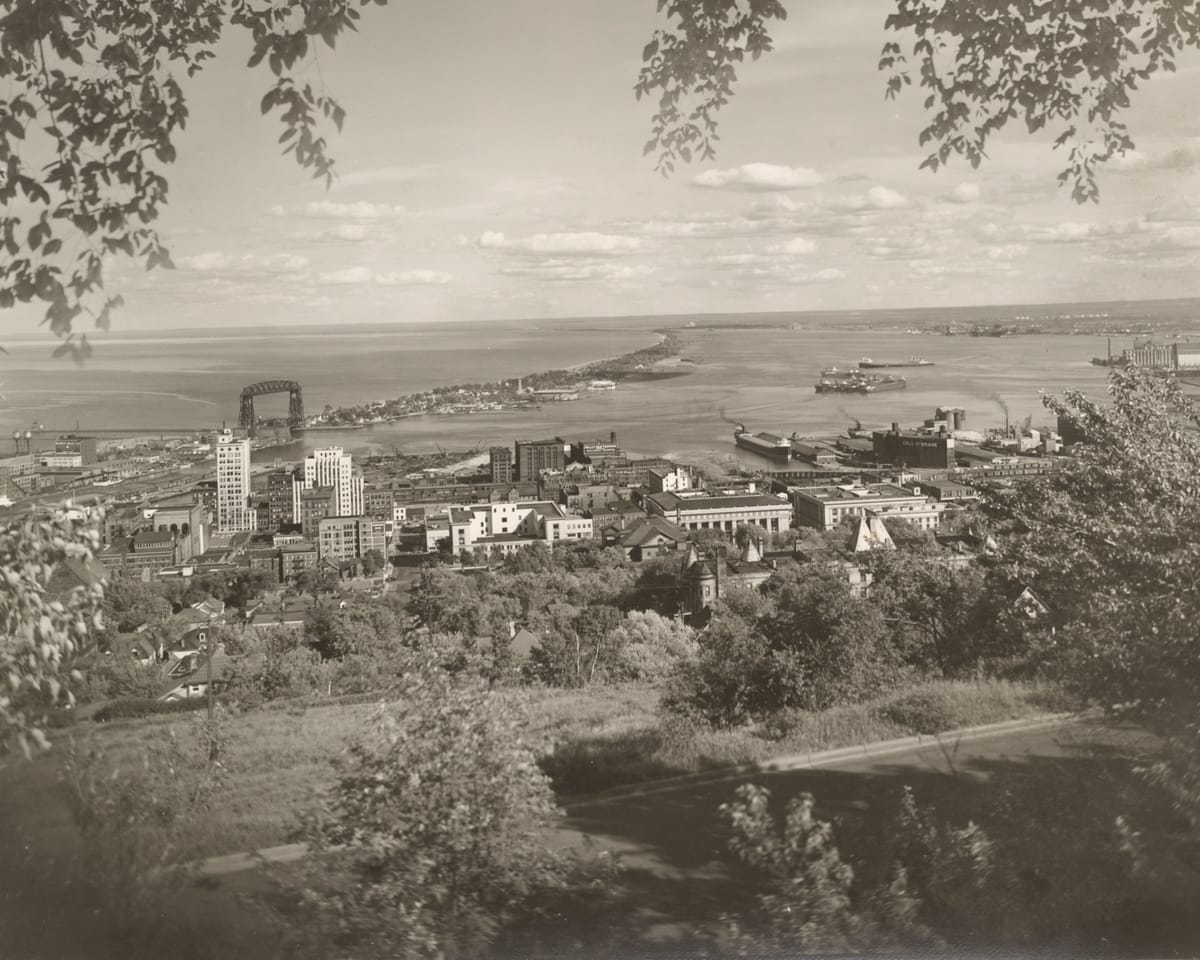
(860, 386)
(885, 364)
(748, 441)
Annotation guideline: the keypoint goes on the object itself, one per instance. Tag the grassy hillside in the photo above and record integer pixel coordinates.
(280, 757)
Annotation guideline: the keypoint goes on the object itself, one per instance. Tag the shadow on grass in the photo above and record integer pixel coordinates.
(589, 764)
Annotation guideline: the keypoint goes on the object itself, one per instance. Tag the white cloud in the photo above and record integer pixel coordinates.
(364, 275)
(331, 210)
(1007, 251)
(561, 244)
(797, 245)
(828, 274)
(215, 261)
(354, 232)
(877, 198)
(570, 270)
(212, 260)
(964, 193)
(758, 176)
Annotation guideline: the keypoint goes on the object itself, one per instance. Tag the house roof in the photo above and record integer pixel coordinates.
(72, 573)
(869, 533)
(651, 529)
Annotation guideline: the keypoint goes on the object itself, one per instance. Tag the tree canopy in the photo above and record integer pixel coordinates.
(1066, 66)
(95, 100)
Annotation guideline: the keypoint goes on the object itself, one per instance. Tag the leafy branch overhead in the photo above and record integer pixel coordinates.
(1067, 67)
(88, 129)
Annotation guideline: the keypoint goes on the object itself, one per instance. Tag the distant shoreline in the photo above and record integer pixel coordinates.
(645, 363)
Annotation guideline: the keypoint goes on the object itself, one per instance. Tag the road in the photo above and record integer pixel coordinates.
(674, 846)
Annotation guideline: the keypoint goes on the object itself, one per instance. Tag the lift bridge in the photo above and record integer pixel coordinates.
(246, 418)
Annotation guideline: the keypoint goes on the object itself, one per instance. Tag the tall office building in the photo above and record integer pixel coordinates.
(531, 457)
(234, 514)
(500, 464)
(332, 468)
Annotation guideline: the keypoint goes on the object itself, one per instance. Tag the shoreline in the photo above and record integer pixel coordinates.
(645, 363)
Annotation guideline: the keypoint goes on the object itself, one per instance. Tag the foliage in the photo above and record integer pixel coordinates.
(315, 581)
(808, 904)
(132, 706)
(1067, 68)
(132, 818)
(430, 842)
(723, 684)
(95, 88)
(943, 618)
(650, 645)
(1110, 543)
(130, 603)
(41, 635)
(107, 677)
(373, 561)
(582, 647)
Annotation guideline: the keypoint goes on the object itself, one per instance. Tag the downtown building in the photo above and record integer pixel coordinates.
(234, 514)
(331, 467)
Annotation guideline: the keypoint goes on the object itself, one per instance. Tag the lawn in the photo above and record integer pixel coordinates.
(280, 757)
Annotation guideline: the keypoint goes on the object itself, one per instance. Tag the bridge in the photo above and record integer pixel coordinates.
(246, 417)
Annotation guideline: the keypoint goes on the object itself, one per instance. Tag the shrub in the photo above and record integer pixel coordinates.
(922, 711)
(437, 819)
(145, 707)
(134, 818)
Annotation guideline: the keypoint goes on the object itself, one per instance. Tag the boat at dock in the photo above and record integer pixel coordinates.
(769, 445)
(860, 383)
(867, 363)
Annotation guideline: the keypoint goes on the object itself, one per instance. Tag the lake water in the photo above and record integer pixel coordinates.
(743, 371)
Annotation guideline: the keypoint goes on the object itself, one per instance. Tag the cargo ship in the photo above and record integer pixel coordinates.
(768, 445)
(868, 364)
(860, 383)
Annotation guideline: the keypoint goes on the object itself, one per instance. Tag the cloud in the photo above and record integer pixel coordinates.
(1007, 251)
(877, 198)
(828, 274)
(352, 232)
(561, 244)
(331, 210)
(797, 245)
(1183, 156)
(570, 270)
(964, 193)
(217, 262)
(758, 177)
(404, 278)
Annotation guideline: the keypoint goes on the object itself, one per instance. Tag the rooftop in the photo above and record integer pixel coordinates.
(702, 500)
(846, 493)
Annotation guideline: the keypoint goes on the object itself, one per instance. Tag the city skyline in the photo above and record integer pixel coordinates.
(485, 181)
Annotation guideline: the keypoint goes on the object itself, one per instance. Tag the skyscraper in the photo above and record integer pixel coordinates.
(331, 467)
(233, 485)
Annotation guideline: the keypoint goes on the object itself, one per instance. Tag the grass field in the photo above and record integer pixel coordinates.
(280, 758)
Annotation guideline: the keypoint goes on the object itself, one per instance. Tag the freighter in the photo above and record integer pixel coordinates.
(868, 364)
(860, 383)
(769, 445)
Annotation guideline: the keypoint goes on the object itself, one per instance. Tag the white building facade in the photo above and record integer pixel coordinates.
(331, 467)
(233, 485)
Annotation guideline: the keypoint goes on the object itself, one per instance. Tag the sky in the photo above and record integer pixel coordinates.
(491, 168)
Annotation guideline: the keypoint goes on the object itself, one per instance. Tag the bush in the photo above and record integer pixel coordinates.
(134, 819)
(145, 707)
(925, 712)
(438, 819)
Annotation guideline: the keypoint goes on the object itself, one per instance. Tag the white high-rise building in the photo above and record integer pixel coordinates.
(331, 467)
(233, 485)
